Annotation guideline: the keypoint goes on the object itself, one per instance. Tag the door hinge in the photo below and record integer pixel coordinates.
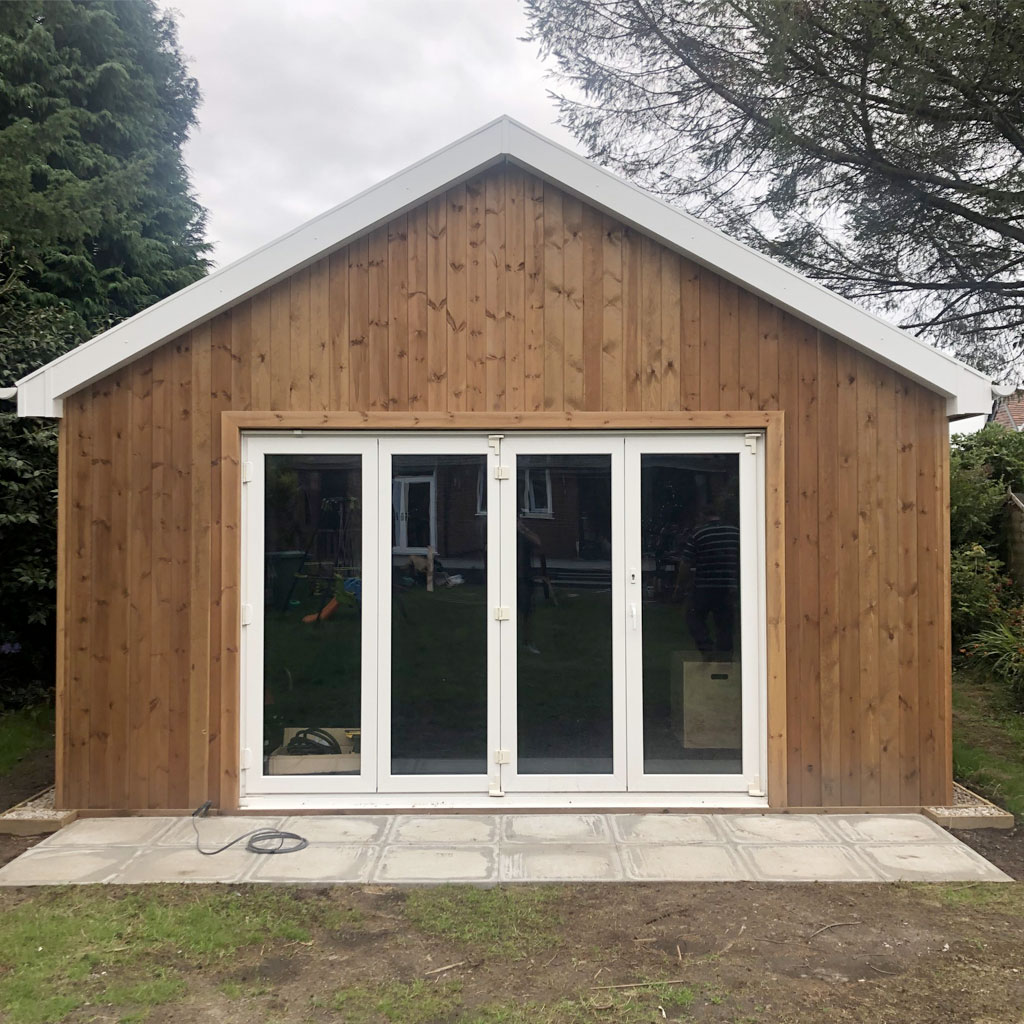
(246, 472)
(503, 757)
(750, 440)
(501, 613)
(246, 614)
(754, 787)
(501, 472)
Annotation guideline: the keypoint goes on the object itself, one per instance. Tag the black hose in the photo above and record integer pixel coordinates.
(287, 842)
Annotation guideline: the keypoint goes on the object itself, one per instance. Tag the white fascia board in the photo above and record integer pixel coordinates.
(967, 392)
(234, 283)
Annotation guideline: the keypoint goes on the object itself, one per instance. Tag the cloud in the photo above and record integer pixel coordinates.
(309, 102)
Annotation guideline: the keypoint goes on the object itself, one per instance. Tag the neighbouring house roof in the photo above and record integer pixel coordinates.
(1008, 411)
(966, 391)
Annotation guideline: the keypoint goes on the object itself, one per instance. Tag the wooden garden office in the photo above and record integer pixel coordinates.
(503, 485)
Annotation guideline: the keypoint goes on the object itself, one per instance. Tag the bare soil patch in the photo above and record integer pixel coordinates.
(1003, 847)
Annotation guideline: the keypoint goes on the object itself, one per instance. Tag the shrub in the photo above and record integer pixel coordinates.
(980, 591)
(1003, 645)
(976, 502)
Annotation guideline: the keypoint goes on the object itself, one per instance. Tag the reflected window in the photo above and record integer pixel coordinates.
(537, 492)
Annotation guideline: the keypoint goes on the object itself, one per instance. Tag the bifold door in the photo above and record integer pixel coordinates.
(464, 614)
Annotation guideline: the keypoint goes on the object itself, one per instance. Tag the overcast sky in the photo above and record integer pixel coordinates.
(308, 102)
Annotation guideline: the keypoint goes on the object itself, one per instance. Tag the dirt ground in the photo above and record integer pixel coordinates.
(30, 775)
(743, 954)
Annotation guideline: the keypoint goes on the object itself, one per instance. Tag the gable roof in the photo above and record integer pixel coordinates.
(967, 391)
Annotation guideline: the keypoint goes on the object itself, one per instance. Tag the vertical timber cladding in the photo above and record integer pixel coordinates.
(504, 294)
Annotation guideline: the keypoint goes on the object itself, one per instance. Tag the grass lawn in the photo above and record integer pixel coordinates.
(639, 954)
(988, 739)
(22, 732)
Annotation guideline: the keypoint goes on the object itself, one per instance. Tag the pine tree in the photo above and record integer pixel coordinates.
(97, 221)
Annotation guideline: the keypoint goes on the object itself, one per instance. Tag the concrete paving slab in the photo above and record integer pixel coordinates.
(888, 828)
(551, 862)
(665, 828)
(213, 832)
(930, 862)
(318, 863)
(705, 863)
(180, 864)
(777, 828)
(806, 863)
(66, 866)
(338, 828)
(556, 828)
(99, 832)
(454, 830)
(437, 864)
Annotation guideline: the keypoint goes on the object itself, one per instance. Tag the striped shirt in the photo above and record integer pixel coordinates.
(713, 551)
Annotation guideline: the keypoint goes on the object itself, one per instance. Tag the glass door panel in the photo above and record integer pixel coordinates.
(691, 509)
(562, 696)
(307, 576)
(436, 616)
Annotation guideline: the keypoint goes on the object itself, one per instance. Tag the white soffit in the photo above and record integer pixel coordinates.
(967, 391)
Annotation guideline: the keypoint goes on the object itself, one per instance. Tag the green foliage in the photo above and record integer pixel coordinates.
(998, 450)
(1001, 643)
(98, 222)
(874, 146)
(979, 591)
(976, 502)
(24, 731)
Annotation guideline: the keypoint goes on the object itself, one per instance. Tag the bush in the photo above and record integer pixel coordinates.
(1003, 645)
(976, 502)
(980, 591)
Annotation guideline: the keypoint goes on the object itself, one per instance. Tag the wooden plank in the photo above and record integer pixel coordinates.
(775, 604)
(339, 330)
(515, 288)
(554, 300)
(104, 579)
(612, 384)
(650, 323)
(79, 674)
(259, 369)
(533, 369)
(887, 517)
(117, 555)
(768, 356)
(417, 313)
(242, 359)
(671, 340)
(448, 299)
(906, 529)
(749, 380)
(929, 561)
(798, 688)
(280, 346)
(476, 290)
(320, 348)
(729, 345)
(573, 382)
(200, 596)
(63, 609)
(377, 274)
(945, 652)
(689, 326)
(300, 356)
(848, 523)
(181, 503)
(632, 298)
(359, 325)
(809, 567)
(229, 498)
(398, 314)
(494, 289)
(710, 353)
(830, 701)
(593, 306)
(867, 498)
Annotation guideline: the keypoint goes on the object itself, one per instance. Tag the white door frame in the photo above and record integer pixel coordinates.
(749, 449)
(255, 447)
(432, 444)
(573, 443)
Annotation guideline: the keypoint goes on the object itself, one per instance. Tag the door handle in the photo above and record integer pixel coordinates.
(633, 613)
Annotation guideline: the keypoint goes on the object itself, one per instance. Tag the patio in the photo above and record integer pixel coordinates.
(491, 849)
